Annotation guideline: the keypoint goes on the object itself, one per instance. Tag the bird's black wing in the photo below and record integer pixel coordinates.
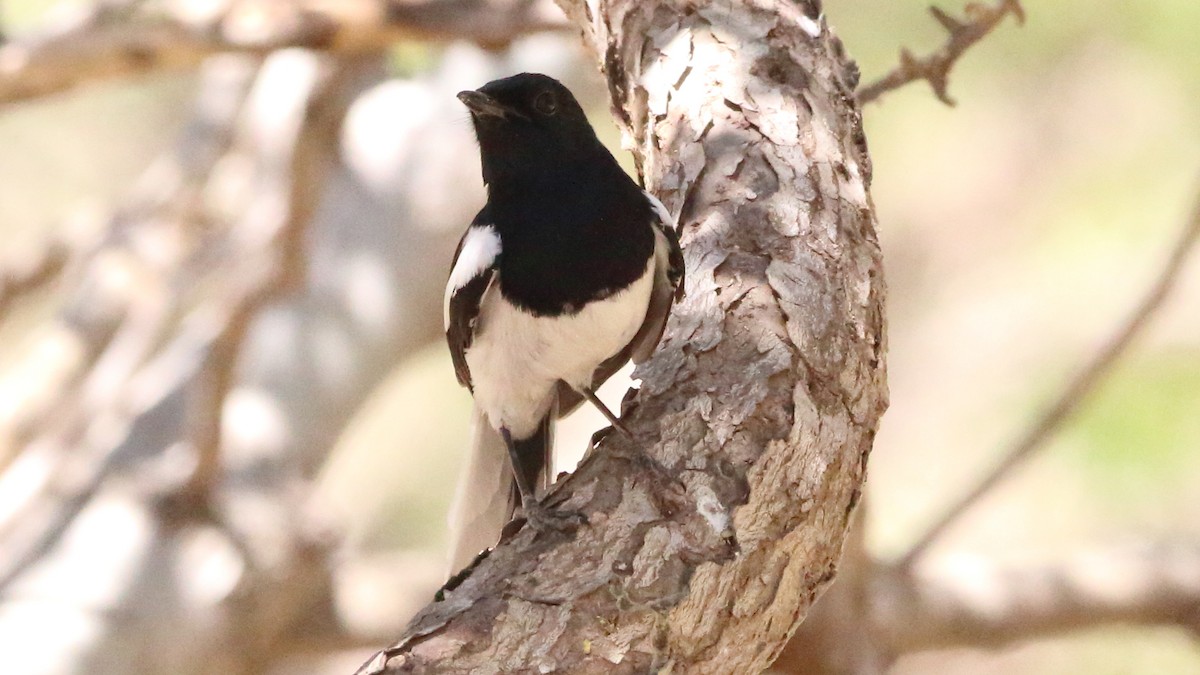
(472, 272)
(668, 283)
(676, 270)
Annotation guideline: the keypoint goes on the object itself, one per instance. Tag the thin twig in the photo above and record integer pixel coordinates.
(1075, 392)
(935, 68)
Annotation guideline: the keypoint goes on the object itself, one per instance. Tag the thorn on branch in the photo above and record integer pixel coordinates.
(980, 20)
(948, 22)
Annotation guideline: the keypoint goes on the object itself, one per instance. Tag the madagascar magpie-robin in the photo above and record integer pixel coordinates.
(568, 272)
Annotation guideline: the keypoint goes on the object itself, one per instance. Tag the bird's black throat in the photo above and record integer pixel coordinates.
(572, 235)
(573, 226)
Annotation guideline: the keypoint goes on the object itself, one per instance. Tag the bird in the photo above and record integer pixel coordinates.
(568, 272)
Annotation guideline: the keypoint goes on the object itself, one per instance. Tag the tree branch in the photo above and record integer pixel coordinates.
(713, 529)
(1075, 392)
(935, 68)
(119, 314)
(105, 45)
(991, 607)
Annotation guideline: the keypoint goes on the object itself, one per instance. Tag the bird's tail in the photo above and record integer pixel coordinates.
(487, 494)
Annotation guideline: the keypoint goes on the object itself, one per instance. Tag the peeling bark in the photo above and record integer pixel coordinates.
(759, 409)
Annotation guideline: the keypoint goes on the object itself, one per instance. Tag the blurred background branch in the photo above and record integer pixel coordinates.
(119, 39)
(225, 413)
(978, 604)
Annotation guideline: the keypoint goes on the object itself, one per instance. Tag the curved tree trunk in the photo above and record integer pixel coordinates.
(759, 409)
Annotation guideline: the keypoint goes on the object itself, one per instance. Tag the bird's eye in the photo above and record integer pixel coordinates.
(545, 103)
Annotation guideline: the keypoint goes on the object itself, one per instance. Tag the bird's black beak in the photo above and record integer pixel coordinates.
(483, 105)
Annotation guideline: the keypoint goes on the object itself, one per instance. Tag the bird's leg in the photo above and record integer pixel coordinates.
(536, 514)
(523, 485)
(632, 453)
(608, 414)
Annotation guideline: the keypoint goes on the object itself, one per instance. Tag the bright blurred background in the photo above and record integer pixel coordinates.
(1019, 228)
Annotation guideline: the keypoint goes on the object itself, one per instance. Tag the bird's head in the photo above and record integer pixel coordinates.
(527, 123)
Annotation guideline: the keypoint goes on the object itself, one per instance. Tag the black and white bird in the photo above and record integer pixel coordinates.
(567, 273)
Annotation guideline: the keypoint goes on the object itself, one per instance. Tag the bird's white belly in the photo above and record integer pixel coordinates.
(516, 358)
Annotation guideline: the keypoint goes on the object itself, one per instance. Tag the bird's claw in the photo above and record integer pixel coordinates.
(542, 518)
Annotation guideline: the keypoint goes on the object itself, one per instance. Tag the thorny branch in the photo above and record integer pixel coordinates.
(935, 68)
(1076, 391)
(106, 44)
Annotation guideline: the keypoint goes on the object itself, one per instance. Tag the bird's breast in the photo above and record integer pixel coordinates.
(518, 357)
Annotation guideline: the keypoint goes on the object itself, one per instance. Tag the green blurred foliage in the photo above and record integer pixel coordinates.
(1137, 435)
(83, 150)
(80, 149)
(408, 59)
(20, 15)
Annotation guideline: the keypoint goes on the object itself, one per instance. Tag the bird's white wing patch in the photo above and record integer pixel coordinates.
(480, 248)
(660, 209)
